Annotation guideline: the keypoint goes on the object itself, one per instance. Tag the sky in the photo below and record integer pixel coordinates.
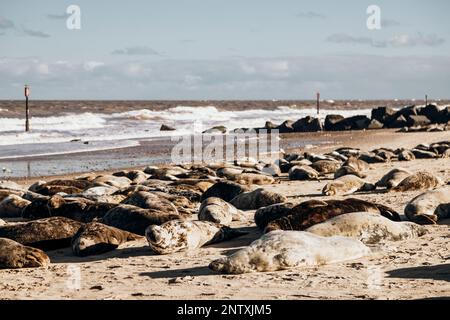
(228, 49)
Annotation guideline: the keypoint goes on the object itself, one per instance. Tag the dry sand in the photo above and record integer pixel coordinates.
(418, 268)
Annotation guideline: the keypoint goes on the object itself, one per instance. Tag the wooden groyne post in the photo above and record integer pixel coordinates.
(318, 102)
(27, 109)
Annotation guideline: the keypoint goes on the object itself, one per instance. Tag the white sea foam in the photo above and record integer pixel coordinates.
(144, 123)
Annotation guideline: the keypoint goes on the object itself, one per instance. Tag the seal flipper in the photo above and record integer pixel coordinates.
(226, 233)
(424, 219)
(388, 213)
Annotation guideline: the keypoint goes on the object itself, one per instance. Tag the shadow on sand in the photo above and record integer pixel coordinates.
(194, 271)
(437, 272)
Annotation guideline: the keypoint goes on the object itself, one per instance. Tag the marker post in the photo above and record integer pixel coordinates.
(27, 109)
(318, 102)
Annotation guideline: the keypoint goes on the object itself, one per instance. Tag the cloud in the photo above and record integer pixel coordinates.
(137, 50)
(6, 23)
(336, 76)
(35, 33)
(54, 16)
(396, 41)
(310, 15)
(387, 23)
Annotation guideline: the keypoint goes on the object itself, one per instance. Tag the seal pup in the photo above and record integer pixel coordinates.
(134, 219)
(393, 178)
(303, 173)
(79, 209)
(226, 190)
(97, 238)
(266, 214)
(256, 199)
(46, 234)
(429, 207)
(218, 211)
(346, 185)
(147, 200)
(423, 180)
(309, 213)
(14, 255)
(368, 227)
(180, 235)
(281, 250)
(12, 206)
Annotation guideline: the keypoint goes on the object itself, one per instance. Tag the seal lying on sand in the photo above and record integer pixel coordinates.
(56, 186)
(218, 211)
(393, 178)
(46, 234)
(97, 238)
(326, 166)
(367, 227)
(280, 250)
(225, 190)
(353, 166)
(256, 199)
(303, 173)
(14, 255)
(312, 212)
(346, 185)
(419, 181)
(147, 200)
(252, 178)
(266, 214)
(79, 209)
(134, 219)
(430, 206)
(180, 235)
(12, 206)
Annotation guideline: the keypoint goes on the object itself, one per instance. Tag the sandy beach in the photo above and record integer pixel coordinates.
(410, 269)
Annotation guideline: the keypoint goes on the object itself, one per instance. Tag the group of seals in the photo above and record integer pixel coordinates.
(280, 250)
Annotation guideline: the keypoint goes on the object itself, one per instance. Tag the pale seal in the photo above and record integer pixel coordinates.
(47, 234)
(429, 207)
(393, 178)
(256, 199)
(218, 211)
(252, 178)
(346, 185)
(96, 238)
(368, 227)
(419, 181)
(326, 166)
(147, 200)
(280, 250)
(14, 255)
(180, 235)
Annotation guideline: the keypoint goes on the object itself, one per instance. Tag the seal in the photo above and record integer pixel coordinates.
(406, 155)
(46, 234)
(136, 176)
(134, 219)
(12, 206)
(147, 200)
(326, 166)
(423, 180)
(61, 186)
(347, 170)
(266, 214)
(225, 190)
(303, 173)
(256, 199)
(181, 235)
(14, 255)
(393, 178)
(429, 207)
(281, 250)
(252, 178)
(218, 211)
(96, 238)
(4, 193)
(309, 213)
(368, 227)
(79, 209)
(346, 185)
